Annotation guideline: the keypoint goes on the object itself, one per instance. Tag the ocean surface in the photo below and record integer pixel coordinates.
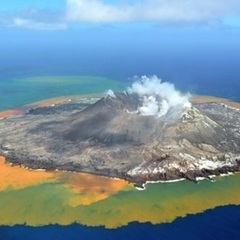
(201, 70)
(221, 223)
(79, 207)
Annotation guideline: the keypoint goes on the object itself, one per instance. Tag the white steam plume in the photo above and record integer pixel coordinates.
(110, 93)
(157, 96)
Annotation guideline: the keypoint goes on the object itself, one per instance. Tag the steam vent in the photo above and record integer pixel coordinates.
(150, 132)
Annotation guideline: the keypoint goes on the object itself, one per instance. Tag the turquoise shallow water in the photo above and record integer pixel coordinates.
(18, 92)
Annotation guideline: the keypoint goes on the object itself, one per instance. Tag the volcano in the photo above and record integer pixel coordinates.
(111, 137)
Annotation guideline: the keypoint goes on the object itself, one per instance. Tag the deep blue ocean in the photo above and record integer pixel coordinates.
(221, 223)
(199, 72)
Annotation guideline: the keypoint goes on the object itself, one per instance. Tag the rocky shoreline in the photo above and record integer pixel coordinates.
(106, 137)
(192, 175)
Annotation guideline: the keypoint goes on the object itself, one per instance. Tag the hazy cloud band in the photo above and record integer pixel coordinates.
(151, 10)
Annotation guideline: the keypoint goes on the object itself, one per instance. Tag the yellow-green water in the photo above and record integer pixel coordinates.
(41, 198)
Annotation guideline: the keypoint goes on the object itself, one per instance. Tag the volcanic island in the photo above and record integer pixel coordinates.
(118, 136)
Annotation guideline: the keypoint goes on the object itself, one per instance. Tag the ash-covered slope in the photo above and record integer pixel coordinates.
(113, 137)
(113, 121)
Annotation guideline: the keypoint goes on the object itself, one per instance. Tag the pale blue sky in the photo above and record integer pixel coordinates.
(38, 14)
(15, 5)
(140, 37)
(117, 22)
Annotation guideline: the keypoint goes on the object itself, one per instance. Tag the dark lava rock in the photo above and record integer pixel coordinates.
(109, 137)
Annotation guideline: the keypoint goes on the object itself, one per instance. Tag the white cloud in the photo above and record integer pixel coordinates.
(151, 10)
(96, 11)
(37, 25)
(102, 11)
(34, 18)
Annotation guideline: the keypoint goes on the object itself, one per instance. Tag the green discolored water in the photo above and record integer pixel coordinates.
(49, 203)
